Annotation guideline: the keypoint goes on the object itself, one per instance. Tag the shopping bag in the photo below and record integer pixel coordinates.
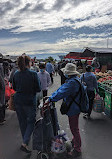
(8, 91)
(58, 145)
(43, 133)
(39, 95)
(11, 102)
(98, 104)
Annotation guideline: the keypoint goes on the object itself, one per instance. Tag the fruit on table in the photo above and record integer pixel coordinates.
(105, 79)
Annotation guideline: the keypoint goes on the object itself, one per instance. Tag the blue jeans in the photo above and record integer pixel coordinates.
(27, 117)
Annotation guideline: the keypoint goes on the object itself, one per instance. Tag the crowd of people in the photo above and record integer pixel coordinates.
(27, 80)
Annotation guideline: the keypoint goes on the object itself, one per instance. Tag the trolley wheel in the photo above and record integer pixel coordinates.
(42, 155)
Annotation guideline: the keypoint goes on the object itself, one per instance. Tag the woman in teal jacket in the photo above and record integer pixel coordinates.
(66, 92)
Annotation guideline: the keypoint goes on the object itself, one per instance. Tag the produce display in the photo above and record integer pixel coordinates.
(109, 72)
(101, 77)
(105, 80)
(108, 85)
(102, 74)
(105, 90)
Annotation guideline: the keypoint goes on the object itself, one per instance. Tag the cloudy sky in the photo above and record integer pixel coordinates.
(54, 26)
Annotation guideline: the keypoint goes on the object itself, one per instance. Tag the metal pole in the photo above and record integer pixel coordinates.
(107, 41)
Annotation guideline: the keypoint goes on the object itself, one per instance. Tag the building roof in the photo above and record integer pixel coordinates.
(77, 55)
(74, 55)
(100, 50)
(1, 56)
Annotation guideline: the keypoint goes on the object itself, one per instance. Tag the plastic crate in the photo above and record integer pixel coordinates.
(108, 103)
(101, 85)
(101, 90)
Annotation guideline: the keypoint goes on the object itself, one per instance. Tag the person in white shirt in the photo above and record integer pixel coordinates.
(45, 79)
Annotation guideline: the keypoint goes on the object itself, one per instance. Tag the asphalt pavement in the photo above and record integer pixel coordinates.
(96, 134)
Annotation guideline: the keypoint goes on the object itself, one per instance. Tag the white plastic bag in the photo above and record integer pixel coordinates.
(58, 146)
(39, 95)
(98, 105)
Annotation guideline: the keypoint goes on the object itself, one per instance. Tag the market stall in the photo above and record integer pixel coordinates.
(103, 56)
(105, 90)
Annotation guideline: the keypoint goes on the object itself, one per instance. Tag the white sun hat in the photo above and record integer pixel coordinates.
(70, 69)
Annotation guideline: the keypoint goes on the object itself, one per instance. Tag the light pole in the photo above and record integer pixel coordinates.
(108, 41)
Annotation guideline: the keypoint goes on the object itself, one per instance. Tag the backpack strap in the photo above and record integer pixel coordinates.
(74, 96)
(77, 95)
(82, 79)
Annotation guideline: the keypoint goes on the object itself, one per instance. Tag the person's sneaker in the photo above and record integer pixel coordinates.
(2, 122)
(72, 143)
(69, 155)
(85, 116)
(76, 153)
(25, 149)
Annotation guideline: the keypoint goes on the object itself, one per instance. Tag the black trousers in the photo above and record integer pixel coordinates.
(91, 96)
(63, 78)
(2, 113)
(44, 93)
(51, 75)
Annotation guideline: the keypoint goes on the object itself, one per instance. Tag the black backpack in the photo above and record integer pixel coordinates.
(84, 101)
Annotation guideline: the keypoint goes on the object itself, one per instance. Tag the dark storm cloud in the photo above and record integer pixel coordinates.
(58, 5)
(24, 9)
(77, 2)
(42, 50)
(14, 20)
(69, 20)
(7, 6)
(39, 8)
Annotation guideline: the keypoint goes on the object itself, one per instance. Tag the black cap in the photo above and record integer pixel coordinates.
(88, 68)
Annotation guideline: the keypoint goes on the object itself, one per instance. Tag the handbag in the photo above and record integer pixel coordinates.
(64, 107)
(11, 102)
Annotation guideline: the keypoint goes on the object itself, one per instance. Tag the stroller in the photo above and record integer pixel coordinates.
(46, 139)
(45, 129)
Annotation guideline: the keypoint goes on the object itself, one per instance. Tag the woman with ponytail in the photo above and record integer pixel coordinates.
(26, 84)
